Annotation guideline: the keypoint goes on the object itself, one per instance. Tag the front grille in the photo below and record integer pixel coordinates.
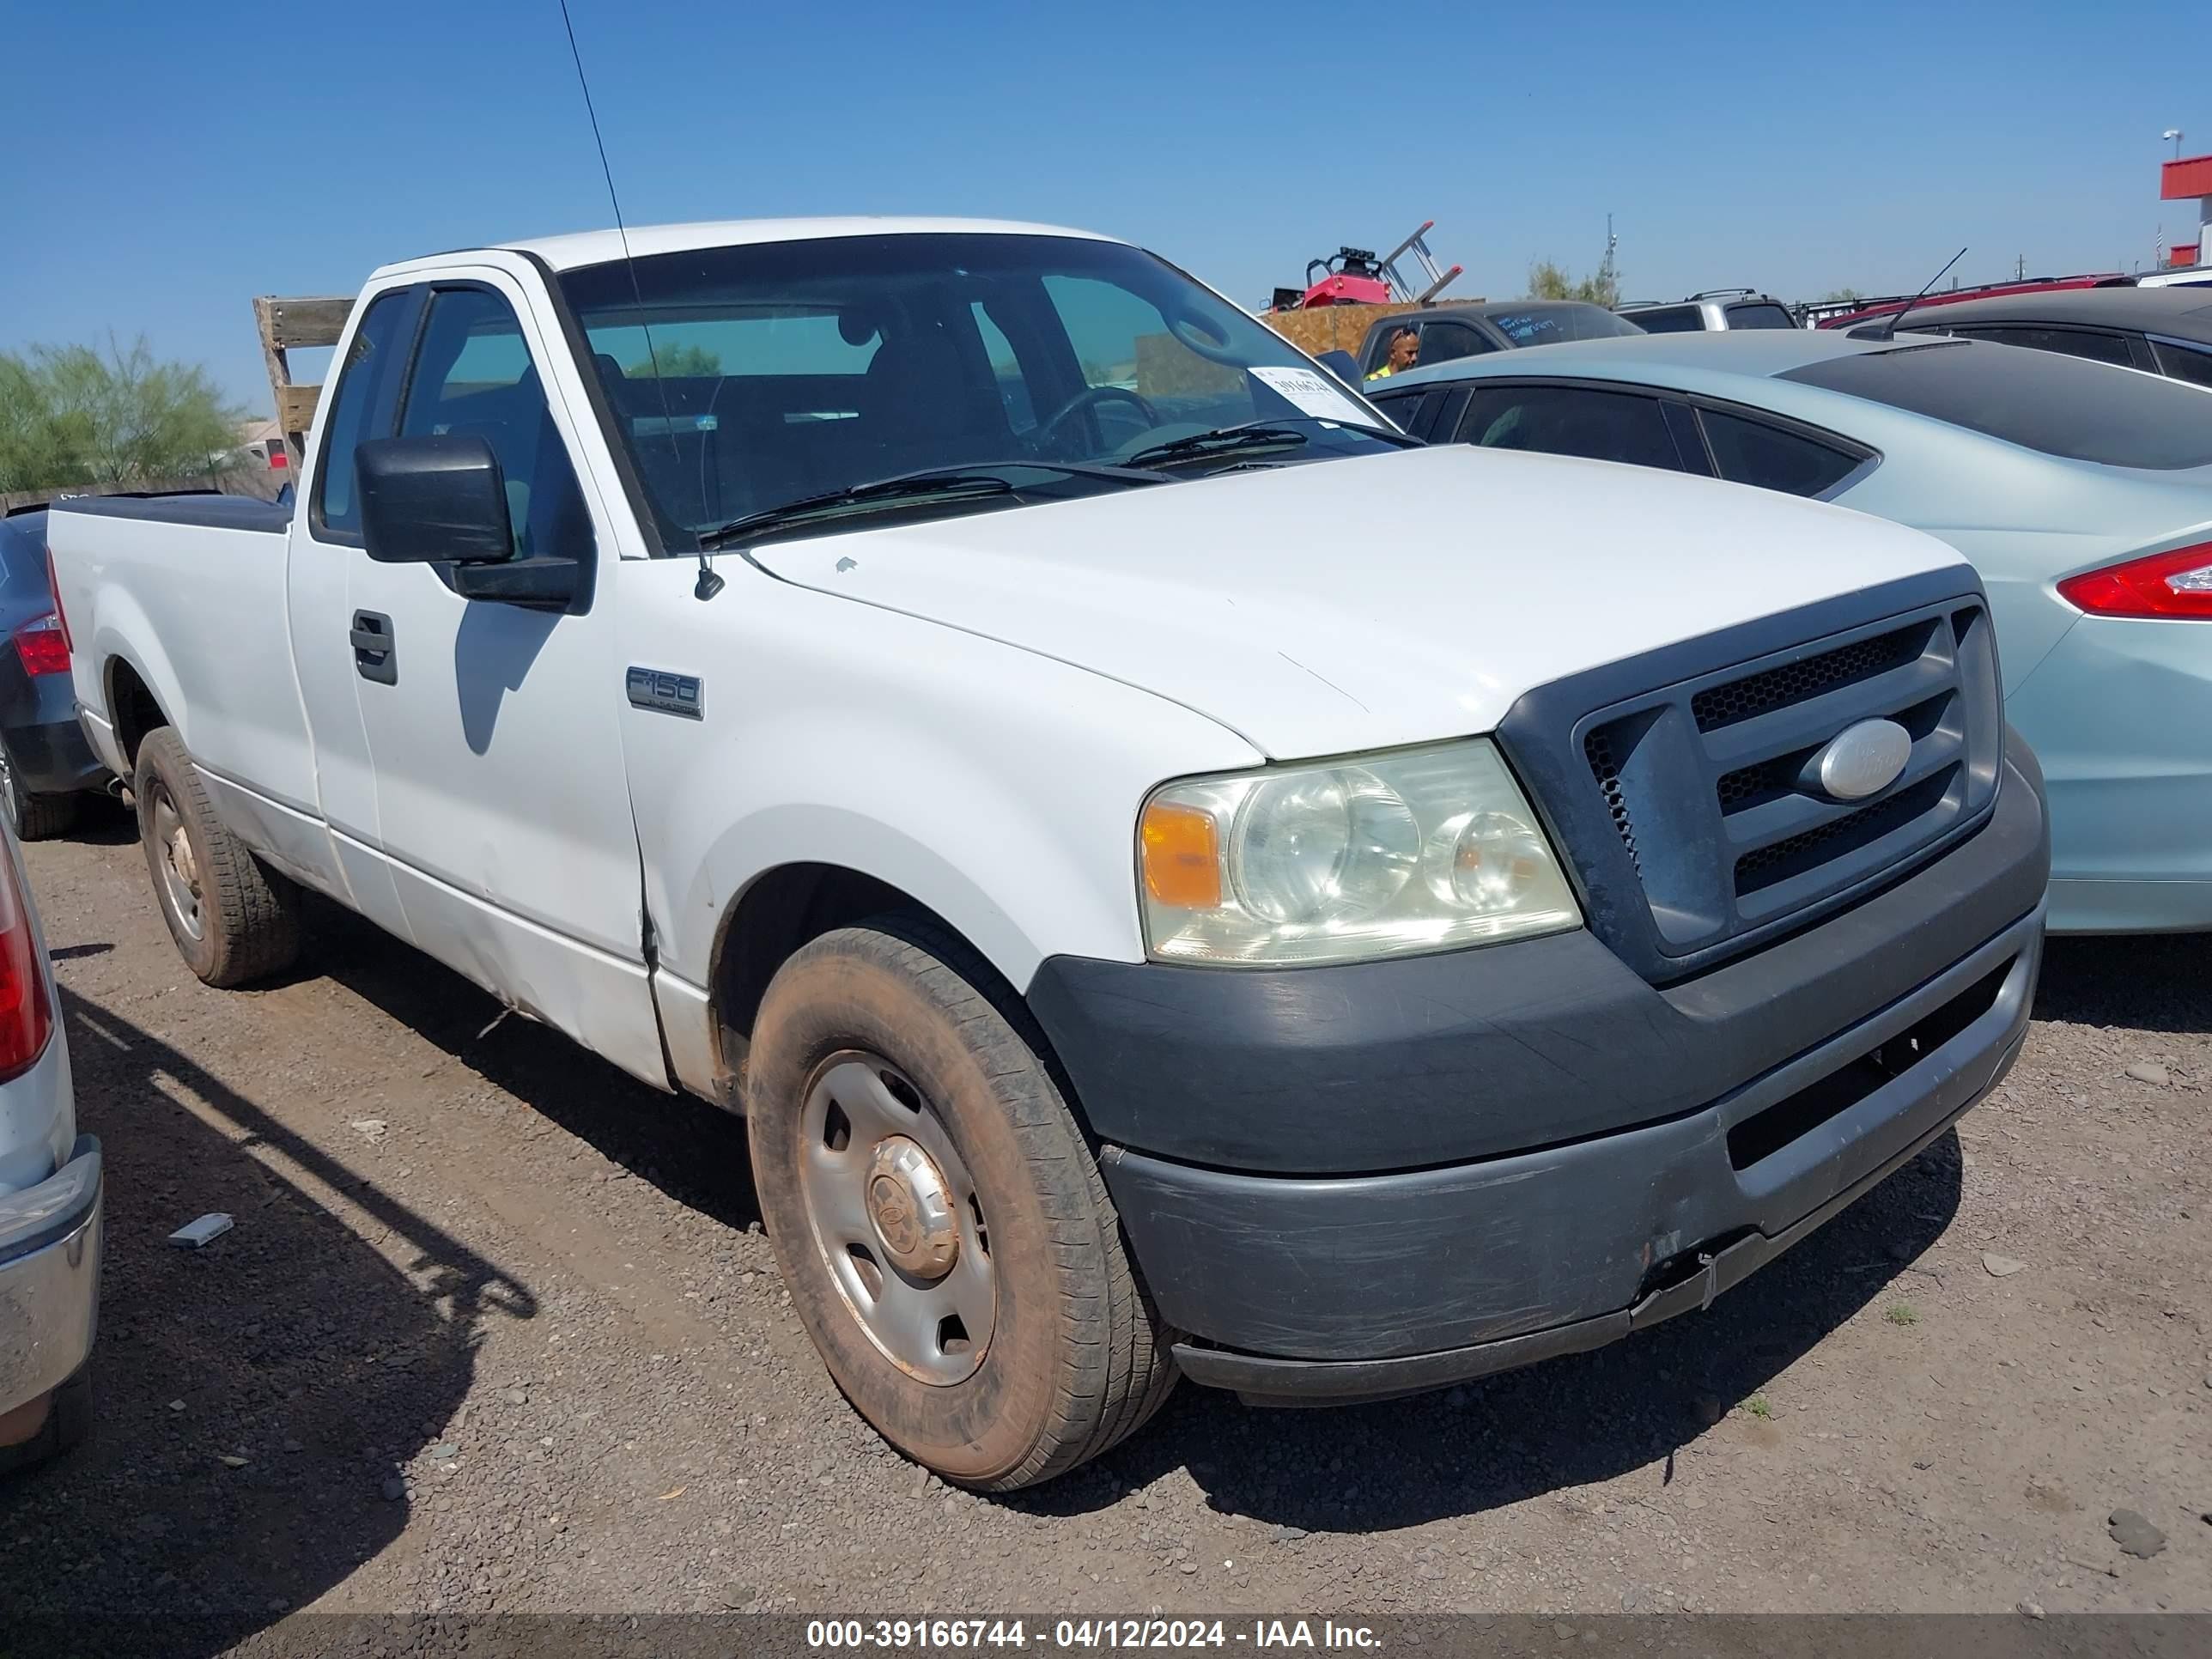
(1778, 860)
(1750, 697)
(1599, 749)
(1693, 810)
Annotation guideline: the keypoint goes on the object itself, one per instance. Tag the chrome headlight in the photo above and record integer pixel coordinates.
(1420, 849)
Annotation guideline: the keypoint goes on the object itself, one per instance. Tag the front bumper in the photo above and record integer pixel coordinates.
(1385, 1285)
(1355, 1183)
(50, 1250)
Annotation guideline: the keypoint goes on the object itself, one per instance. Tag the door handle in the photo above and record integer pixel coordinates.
(374, 656)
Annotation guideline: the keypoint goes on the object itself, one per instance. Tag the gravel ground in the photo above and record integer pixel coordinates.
(497, 1329)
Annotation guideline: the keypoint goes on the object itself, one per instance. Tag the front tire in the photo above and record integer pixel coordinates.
(234, 919)
(938, 1216)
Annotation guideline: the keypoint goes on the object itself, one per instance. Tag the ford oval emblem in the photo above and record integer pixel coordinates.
(1863, 759)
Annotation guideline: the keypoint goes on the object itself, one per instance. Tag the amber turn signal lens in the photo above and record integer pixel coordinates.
(1182, 856)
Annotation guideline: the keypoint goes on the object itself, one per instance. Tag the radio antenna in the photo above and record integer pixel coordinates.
(709, 584)
(1890, 333)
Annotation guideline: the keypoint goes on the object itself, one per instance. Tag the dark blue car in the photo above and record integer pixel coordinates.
(46, 766)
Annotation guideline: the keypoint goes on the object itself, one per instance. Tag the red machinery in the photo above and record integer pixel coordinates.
(1354, 276)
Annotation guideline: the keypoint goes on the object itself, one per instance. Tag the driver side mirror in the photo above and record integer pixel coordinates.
(431, 500)
(1343, 365)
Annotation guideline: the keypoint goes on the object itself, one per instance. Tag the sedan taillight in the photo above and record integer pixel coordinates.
(26, 1015)
(2173, 585)
(43, 646)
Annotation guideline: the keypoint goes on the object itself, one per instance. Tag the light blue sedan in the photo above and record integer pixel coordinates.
(2081, 493)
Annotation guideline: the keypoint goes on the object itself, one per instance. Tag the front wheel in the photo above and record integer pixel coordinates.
(938, 1218)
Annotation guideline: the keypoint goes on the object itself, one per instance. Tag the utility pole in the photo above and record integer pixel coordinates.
(2019, 268)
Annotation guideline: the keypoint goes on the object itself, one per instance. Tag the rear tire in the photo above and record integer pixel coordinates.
(1074, 1357)
(234, 919)
(35, 817)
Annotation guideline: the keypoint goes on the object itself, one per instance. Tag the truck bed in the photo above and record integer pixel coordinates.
(198, 586)
(216, 512)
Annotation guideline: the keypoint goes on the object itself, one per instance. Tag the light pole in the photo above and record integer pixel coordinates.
(2172, 136)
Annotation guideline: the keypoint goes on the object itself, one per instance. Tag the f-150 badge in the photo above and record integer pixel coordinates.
(668, 693)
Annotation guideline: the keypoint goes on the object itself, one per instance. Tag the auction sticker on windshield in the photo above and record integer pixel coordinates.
(1314, 393)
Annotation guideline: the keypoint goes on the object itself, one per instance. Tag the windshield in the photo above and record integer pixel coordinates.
(2064, 406)
(778, 372)
(1542, 324)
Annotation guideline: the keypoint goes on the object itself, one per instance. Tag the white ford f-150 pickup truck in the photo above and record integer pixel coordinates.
(1180, 880)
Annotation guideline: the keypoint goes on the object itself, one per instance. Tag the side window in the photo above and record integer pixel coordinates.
(473, 376)
(1005, 370)
(1601, 425)
(1753, 453)
(368, 365)
(1379, 345)
(1411, 410)
(1443, 342)
(789, 341)
(2185, 362)
(2072, 342)
(23, 558)
(1759, 313)
(1104, 322)
(1443, 422)
(1121, 339)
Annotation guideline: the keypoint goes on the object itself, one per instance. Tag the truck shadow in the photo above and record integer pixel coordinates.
(262, 1405)
(1497, 1441)
(2152, 982)
(693, 1151)
(1351, 1469)
(1587, 1417)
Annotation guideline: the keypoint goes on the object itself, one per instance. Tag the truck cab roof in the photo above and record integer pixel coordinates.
(574, 250)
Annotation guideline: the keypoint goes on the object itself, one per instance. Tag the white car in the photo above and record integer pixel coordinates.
(2177, 277)
(1180, 880)
(49, 1200)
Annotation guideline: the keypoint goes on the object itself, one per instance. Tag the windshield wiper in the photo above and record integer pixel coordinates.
(970, 483)
(1276, 431)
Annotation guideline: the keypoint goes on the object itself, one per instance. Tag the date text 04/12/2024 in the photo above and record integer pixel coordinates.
(939, 1635)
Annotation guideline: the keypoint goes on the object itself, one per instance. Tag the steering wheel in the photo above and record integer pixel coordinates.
(1049, 430)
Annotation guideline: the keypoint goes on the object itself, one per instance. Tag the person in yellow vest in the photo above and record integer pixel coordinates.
(1404, 352)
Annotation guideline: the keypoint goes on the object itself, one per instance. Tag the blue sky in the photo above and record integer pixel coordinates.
(160, 165)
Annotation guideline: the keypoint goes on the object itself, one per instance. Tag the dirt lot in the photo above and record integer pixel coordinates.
(496, 1329)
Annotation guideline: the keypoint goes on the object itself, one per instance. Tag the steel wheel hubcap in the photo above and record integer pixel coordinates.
(896, 1218)
(181, 871)
(909, 1202)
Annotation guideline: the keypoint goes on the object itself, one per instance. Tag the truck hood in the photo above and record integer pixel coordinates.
(1395, 598)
